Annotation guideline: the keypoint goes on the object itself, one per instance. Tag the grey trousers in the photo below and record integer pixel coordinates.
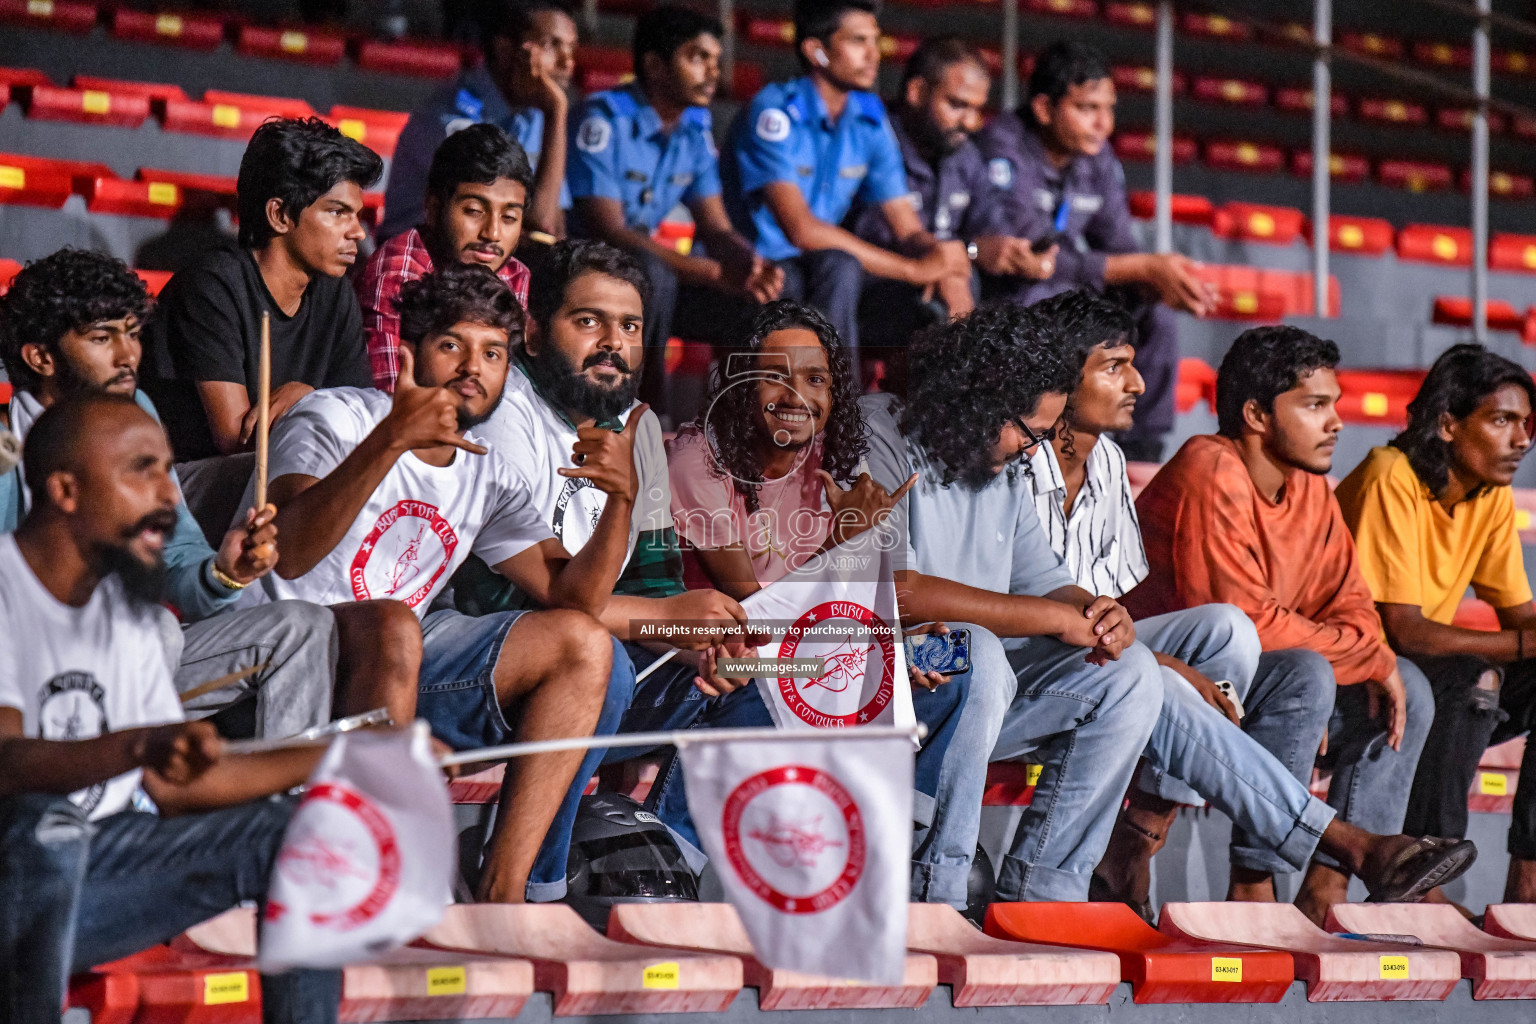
(294, 639)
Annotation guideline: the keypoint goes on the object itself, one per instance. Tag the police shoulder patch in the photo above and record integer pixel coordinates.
(773, 125)
(1000, 171)
(594, 135)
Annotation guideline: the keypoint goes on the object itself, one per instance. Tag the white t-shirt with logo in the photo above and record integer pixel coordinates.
(421, 522)
(536, 441)
(76, 673)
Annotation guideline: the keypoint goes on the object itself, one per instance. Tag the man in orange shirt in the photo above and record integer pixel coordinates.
(1432, 514)
(1246, 518)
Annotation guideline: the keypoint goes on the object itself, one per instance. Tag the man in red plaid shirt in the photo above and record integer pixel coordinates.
(477, 189)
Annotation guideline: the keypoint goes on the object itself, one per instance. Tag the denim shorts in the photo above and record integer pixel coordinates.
(457, 690)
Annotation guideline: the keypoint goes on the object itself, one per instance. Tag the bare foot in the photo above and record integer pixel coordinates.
(1322, 888)
(1249, 886)
(1520, 883)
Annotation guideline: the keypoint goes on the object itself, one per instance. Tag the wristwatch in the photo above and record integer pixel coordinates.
(971, 250)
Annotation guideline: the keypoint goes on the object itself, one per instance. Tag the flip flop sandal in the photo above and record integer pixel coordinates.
(1422, 865)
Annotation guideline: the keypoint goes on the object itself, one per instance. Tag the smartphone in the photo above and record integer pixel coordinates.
(1230, 692)
(945, 653)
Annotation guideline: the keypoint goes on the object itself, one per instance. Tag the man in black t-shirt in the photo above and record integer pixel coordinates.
(299, 194)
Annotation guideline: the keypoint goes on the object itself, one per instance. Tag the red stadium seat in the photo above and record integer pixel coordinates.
(899, 45)
(1139, 145)
(1513, 62)
(33, 181)
(1378, 397)
(1359, 236)
(1372, 45)
(1161, 969)
(675, 234)
(1255, 222)
(1063, 8)
(379, 130)
(1245, 156)
(1143, 78)
(1414, 175)
(1183, 208)
(1501, 184)
(1459, 119)
(1335, 969)
(1348, 167)
(219, 185)
(1197, 383)
(1391, 111)
(767, 31)
(154, 280)
(1236, 91)
(193, 31)
(1254, 293)
(228, 115)
(1500, 968)
(372, 212)
(747, 80)
(8, 270)
(91, 106)
(1010, 784)
(108, 998)
(1444, 55)
(1132, 15)
(1456, 311)
(60, 15)
(15, 82)
(1213, 26)
(152, 90)
(427, 60)
(282, 106)
(1524, 127)
(1435, 243)
(1298, 99)
(130, 198)
(1512, 252)
(306, 45)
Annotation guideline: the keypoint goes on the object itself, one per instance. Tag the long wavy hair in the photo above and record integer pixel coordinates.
(1085, 321)
(731, 428)
(1461, 378)
(972, 376)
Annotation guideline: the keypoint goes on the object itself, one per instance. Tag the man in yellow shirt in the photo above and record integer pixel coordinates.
(1432, 514)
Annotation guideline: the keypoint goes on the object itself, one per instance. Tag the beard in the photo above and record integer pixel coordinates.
(144, 584)
(561, 380)
(468, 421)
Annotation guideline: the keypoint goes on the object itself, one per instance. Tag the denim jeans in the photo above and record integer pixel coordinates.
(79, 893)
(457, 697)
(1371, 781)
(831, 281)
(1087, 725)
(667, 699)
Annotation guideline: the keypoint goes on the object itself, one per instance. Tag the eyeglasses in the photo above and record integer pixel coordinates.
(1032, 439)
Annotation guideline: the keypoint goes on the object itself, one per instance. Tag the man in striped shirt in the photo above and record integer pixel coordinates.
(1083, 497)
(477, 189)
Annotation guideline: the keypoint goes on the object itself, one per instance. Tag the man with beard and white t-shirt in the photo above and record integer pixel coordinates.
(89, 716)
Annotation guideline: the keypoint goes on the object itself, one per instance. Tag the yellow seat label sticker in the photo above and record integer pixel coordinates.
(445, 981)
(1493, 783)
(218, 989)
(661, 975)
(1226, 968)
(1394, 967)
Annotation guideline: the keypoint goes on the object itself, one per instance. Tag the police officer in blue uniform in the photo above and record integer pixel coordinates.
(639, 151)
(530, 54)
(1063, 185)
(943, 93)
(805, 150)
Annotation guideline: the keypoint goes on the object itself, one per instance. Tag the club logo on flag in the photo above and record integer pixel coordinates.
(860, 645)
(343, 856)
(795, 837)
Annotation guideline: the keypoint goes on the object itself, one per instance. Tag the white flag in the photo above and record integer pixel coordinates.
(841, 608)
(811, 838)
(367, 860)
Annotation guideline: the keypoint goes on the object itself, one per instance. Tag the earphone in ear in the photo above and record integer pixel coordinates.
(821, 58)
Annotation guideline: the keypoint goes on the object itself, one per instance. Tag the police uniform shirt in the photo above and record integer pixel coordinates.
(1083, 201)
(619, 150)
(786, 135)
(472, 99)
(956, 200)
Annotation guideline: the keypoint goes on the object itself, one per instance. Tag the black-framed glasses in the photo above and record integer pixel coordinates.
(1032, 439)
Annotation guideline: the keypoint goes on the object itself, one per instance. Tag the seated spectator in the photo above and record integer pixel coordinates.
(382, 497)
(1246, 518)
(299, 193)
(1083, 497)
(804, 150)
(477, 190)
(755, 493)
(69, 327)
(642, 149)
(88, 715)
(943, 94)
(1064, 192)
(1432, 514)
(529, 49)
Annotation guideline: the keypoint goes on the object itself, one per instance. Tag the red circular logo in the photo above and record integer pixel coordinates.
(404, 555)
(831, 700)
(344, 854)
(794, 836)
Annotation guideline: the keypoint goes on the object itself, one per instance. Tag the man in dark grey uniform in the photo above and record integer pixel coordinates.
(1064, 185)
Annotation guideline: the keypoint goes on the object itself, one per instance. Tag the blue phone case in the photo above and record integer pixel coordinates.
(947, 654)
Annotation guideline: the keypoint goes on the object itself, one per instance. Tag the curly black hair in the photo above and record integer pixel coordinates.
(67, 291)
(1084, 321)
(1456, 385)
(972, 376)
(457, 293)
(1263, 363)
(296, 161)
(731, 427)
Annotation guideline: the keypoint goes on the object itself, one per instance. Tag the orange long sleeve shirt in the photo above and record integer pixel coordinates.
(1291, 566)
